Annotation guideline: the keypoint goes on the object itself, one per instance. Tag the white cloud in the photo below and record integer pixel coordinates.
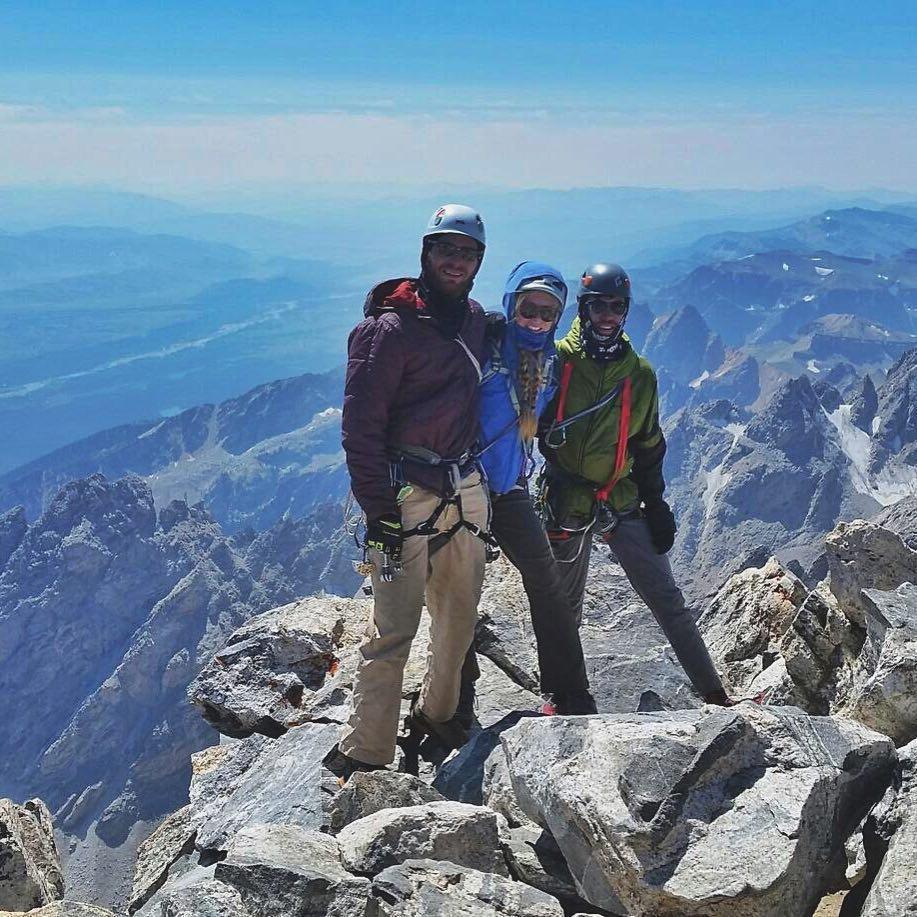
(40, 114)
(16, 112)
(104, 145)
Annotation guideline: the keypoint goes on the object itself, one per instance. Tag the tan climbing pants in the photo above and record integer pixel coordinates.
(451, 579)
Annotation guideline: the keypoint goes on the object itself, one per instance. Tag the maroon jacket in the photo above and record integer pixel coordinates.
(408, 384)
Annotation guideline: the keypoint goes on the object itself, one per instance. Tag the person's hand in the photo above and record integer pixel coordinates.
(386, 536)
(662, 525)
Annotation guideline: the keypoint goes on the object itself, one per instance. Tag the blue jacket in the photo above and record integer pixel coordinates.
(504, 456)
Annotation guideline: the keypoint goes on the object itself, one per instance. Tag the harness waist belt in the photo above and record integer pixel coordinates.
(464, 463)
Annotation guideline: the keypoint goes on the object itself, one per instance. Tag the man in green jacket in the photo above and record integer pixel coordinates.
(603, 449)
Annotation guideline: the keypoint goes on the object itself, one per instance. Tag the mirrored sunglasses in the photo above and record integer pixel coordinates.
(530, 310)
(448, 250)
(604, 306)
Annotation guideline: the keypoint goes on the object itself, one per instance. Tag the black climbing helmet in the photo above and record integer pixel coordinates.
(604, 279)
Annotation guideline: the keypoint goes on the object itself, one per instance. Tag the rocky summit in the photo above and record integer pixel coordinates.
(658, 805)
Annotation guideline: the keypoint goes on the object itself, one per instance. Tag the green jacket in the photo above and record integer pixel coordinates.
(591, 443)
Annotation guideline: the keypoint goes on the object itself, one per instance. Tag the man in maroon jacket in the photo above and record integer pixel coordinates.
(410, 421)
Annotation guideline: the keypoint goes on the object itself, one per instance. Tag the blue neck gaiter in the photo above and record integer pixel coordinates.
(530, 340)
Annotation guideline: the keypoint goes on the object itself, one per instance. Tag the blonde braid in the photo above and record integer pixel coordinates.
(528, 383)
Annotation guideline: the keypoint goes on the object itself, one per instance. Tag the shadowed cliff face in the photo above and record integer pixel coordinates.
(106, 614)
(683, 344)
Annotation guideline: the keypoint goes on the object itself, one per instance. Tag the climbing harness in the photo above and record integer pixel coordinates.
(556, 436)
(454, 471)
(604, 519)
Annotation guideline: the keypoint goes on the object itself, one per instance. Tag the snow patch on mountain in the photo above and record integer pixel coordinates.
(152, 431)
(893, 483)
(855, 444)
(718, 478)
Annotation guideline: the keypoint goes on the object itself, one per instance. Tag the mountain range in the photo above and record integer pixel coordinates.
(252, 459)
(745, 486)
(769, 296)
(788, 379)
(859, 232)
(109, 606)
(170, 305)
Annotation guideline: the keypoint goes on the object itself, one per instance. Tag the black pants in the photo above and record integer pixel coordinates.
(521, 537)
(651, 576)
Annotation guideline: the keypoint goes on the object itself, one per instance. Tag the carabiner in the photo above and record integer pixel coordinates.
(549, 437)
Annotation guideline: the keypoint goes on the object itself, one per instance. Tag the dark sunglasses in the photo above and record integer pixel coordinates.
(448, 250)
(602, 306)
(545, 313)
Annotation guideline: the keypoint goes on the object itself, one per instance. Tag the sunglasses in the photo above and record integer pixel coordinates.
(545, 313)
(448, 250)
(603, 306)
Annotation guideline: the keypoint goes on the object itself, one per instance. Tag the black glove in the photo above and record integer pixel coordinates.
(662, 525)
(385, 534)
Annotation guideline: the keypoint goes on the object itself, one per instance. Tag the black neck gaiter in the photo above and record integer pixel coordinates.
(602, 349)
(448, 311)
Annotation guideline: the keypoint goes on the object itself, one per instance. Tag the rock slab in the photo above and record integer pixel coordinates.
(30, 873)
(281, 786)
(288, 871)
(426, 888)
(892, 829)
(738, 812)
(367, 793)
(453, 831)
(172, 839)
(884, 692)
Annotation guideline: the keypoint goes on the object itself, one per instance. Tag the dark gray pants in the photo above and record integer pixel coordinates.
(521, 536)
(651, 576)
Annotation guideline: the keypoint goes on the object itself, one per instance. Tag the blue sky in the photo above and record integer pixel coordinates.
(690, 94)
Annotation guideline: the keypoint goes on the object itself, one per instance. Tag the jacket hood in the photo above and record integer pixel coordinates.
(400, 292)
(523, 272)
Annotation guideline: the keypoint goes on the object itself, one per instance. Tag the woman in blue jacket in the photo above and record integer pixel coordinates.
(519, 380)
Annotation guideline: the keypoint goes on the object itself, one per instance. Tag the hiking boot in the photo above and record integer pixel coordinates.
(344, 767)
(451, 734)
(719, 699)
(574, 703)
(464, 712)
